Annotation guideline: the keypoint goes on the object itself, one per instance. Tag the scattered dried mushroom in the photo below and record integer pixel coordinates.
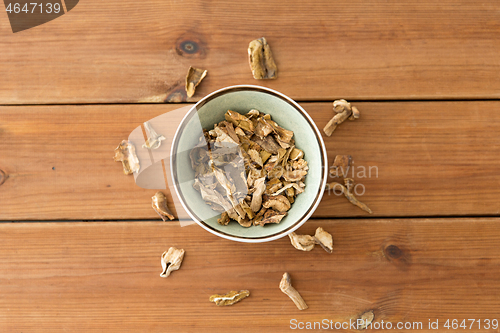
(154, 140)
(193, 79)
(261, 60)
(324, 239)
(248, 168)
(160, 206)
(286, 287)
(230, 298)
(343, 111)
(306, 242)
(341, 166)
(125, 153)
(171, 260)
(302, 242)
(347, 190)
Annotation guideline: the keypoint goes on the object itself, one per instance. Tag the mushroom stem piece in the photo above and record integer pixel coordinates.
(171, 260)
(160, 206)
(349, 195)
(230, 298)
(286, 287)
(343, 111)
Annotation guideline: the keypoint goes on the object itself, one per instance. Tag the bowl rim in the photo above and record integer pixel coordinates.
(319, 138)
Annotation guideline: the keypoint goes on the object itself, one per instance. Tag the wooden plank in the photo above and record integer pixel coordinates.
(426, 159)
(129, 51)
(83, 277)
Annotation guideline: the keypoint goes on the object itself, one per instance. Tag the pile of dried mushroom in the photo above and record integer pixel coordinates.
(249, 169)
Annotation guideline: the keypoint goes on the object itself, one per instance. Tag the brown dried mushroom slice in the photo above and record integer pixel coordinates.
(355, 113)
(160, 206)
(263, 128)
(341, 166)
(268, 143)
(260, 187)
(282, 134)
(239, 120)
(255, 156)
(244, 221)
(193, 79)
(324, 239)
(300, 165)
(261, 60)
(271, 216)
(348, 194)
(224, 219)
(294, 175)
(230, 298)
(287, 288)
(296, 154)
(344, 111)
(278, 202)
(125, 153)
(273, 185)
(171, 260)
(297, 187)
(302, 242)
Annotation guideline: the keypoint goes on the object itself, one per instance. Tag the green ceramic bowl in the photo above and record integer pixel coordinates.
(288, 114)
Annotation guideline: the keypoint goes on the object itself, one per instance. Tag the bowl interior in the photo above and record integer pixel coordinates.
(211, 112)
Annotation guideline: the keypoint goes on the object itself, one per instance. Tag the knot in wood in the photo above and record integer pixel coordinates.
(394, 252)
(3, 176)
(189, 47)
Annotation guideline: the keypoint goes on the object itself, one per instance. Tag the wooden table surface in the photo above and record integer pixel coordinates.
(84, 252)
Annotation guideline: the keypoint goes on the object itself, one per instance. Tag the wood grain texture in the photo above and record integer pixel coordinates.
(129, 51)
(431, 159)
(82, 277)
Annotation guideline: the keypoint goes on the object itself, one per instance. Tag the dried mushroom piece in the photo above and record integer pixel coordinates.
(239, 120)
(171, 260)
(248, 168)
(224, 219)
(125, 153)
(355, 113)
(341, 165)
(230, 298)
(324, 239)
(343, 111)
(296, 154)
(160, 206)
(306, 242)
(347, 190)
(260, 187)
(193, 79)
(294, 175)
(278, 202)
(154, 140)
(302, 242)
(270, 216)
(286, 288)
(261, 60)
(297, 187)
